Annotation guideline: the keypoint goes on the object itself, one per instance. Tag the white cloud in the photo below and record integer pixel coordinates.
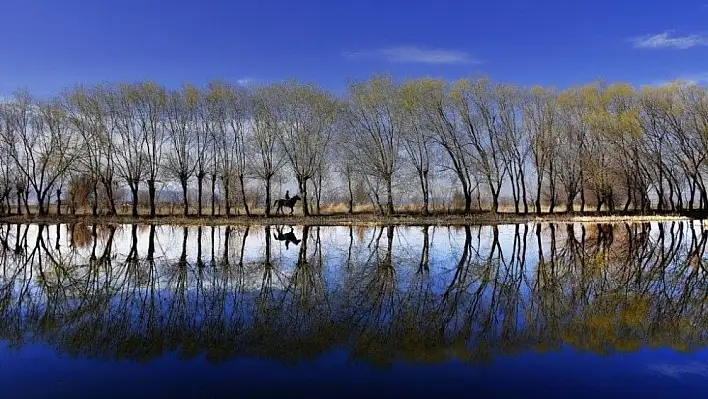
(245, 81)
(414, 54)
(667, 40)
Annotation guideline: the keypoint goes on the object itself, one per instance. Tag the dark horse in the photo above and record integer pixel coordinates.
(288, 237)
(290, 203)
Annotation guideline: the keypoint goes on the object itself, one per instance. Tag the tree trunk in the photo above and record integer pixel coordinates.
(213, 194)
(523, 192)
(185, 202)
(134, 191)
(19, 203)
(539, 185)
(467, 194)
(268, 198)
(227, 202)
(582, 200)
(513, 179)
(302, 185)
(94, 204)
(424, 187)
(672, 204)
(151, 192)
(495, 200)
(108, 185)
(40, 204)
(243, 195)
(58, 203)
(693, 195)
(200, 188)
(679, 195)
(389, 192)
(629, 195)
(318, 192)
(660, 191)
(351, 195)
(25, 199)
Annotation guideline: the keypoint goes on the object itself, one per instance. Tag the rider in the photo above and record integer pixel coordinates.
(287, 195)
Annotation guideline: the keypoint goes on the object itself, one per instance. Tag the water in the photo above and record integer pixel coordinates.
(558, 310)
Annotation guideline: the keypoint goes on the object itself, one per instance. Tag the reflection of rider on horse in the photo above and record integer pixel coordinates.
(287, 202)
(288, 237)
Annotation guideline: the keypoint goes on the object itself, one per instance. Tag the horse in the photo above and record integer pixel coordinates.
(288, 237)
(290, 203)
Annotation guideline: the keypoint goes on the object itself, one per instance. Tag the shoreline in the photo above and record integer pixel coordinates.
(403, 219)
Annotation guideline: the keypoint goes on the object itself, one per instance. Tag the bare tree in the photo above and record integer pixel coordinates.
(478, 111)
(148, 101)
(239, 112)
(228, 115)
(540, 117)
(569, 144)
(87, 111)
(440, 118)
(40, 142)
(376, 116)
(180, 125)
(205, 157)
(132, 160)
(417, 135)
(515, 145)
(266, 159)
(305, 118)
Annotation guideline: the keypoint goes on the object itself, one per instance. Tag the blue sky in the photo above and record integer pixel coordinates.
(46, 45)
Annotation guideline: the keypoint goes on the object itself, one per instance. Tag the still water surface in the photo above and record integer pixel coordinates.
(511, 311)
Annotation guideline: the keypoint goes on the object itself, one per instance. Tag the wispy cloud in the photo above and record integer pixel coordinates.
(415, 54)
(700, 79)
(695, 78)
(668, 40)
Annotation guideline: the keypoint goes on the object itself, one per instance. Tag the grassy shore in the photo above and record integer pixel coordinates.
(485, 218)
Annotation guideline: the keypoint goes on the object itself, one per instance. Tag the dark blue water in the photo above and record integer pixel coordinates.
(562, 311)
(37, 371)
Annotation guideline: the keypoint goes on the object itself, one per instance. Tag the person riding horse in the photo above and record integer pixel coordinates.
(288, 202)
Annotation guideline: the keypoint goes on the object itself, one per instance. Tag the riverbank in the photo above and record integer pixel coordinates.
(403, 219)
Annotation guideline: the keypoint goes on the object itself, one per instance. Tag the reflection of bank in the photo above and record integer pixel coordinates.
(598, 288)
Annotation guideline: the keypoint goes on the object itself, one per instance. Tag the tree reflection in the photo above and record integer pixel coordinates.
(599, 288)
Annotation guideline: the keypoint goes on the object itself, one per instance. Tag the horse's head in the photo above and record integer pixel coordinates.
(296, 198)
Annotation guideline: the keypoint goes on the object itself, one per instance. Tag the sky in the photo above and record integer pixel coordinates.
(49, 45)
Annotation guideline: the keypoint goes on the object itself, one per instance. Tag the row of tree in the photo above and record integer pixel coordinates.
(602, 146)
